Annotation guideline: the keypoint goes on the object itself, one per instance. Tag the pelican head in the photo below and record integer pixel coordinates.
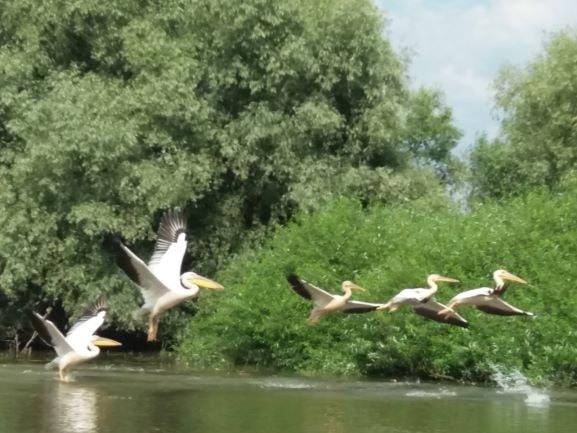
(192, 279)
(501, 275)
(436, 278)
(352, 286)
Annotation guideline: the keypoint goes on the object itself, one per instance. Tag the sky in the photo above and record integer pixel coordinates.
(458, 47)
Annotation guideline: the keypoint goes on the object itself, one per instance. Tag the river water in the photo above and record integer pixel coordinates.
(117, 396)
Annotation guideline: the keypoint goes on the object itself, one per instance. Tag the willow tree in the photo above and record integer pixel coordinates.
(538, 142)
(242, 112)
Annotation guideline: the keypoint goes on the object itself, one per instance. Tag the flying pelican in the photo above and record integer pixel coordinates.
(80, 343)
(424, 304)
(160, 282)
(326, 303)
(487, 299)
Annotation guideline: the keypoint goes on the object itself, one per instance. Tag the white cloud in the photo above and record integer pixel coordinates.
(459, 45)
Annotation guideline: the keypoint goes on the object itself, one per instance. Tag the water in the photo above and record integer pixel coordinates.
(111, 396)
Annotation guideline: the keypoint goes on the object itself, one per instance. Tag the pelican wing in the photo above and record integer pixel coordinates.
(50, 334)
(431, 308)
(357, 307)
(150, 286)
(308, 291)
(166, 260)
(85, 325)
(496, 305)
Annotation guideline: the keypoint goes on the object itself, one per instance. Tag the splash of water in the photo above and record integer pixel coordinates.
(514, 382)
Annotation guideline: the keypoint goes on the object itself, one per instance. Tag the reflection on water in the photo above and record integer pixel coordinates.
(74, 408)
(121, 398)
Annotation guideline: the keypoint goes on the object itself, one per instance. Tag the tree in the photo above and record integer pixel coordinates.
(538, 142)
(241, 112)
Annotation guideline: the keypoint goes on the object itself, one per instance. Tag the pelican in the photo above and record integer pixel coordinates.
(424, 304)
(80, 344)
(327, 303)
(160, 282)
(487, 299)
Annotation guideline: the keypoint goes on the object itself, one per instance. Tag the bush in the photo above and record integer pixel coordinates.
(259, 320)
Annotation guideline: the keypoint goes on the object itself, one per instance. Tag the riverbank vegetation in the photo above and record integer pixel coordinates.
(290, 133)
(261, 321)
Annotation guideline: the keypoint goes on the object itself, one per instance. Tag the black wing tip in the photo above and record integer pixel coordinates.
(359, 310)
(39, 326)
(298, 285)
(100, 304)
(293, 278)
(172, 224)
(124, 262)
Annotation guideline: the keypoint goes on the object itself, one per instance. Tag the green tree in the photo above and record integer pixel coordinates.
(538, 142)
(242, 112)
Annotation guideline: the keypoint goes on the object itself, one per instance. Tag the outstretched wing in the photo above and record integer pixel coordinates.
(357, 307)
(80, 335)
(150, 286)
(166, 260)
(431, 308)
(496, 305)
(308, 291)
(50, 334)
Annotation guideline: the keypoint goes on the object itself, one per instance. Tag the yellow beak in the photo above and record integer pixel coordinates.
(447, 279)
(206, 283)
(354, 286)
(510, 277)
(106, 342)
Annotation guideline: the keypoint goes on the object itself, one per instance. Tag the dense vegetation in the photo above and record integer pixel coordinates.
(242, 112)
(262, 322)
(247, 113)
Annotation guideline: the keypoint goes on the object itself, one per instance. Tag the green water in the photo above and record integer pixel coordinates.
(111, 396)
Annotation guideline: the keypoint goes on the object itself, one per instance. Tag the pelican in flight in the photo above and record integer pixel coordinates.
(424, 304)
(160, 282)
(327, 303)
(80, 344)
(487, 299)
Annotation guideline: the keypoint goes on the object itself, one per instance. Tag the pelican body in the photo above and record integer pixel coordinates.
(327, 303)
(423, 303)
(488, 299)
(80, 344)
(160, 282)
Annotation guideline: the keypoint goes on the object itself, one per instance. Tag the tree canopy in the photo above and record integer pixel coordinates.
(242, 112)
(538, 142)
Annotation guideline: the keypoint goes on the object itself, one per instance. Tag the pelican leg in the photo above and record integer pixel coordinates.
(314, 317)
(393, 308)
(152, 327)
(63, 375)
(446, 312)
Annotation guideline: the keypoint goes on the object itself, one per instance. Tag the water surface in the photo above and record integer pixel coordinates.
(110, 396)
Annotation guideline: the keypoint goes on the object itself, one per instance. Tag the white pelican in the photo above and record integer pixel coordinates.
(424, 304)
(160, 282)
(326, 303)
(487, 299)
(80, 343)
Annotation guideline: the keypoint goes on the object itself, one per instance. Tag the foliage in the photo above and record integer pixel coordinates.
(538, 143)
(261, 321)
(242, 112)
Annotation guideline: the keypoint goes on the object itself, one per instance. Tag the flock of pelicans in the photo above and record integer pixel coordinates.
(162, 287)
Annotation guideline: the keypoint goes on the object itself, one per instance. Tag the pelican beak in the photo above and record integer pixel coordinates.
(206, 283)
(105, 342)
(354, 286)
(510, 277)
(447, 279)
